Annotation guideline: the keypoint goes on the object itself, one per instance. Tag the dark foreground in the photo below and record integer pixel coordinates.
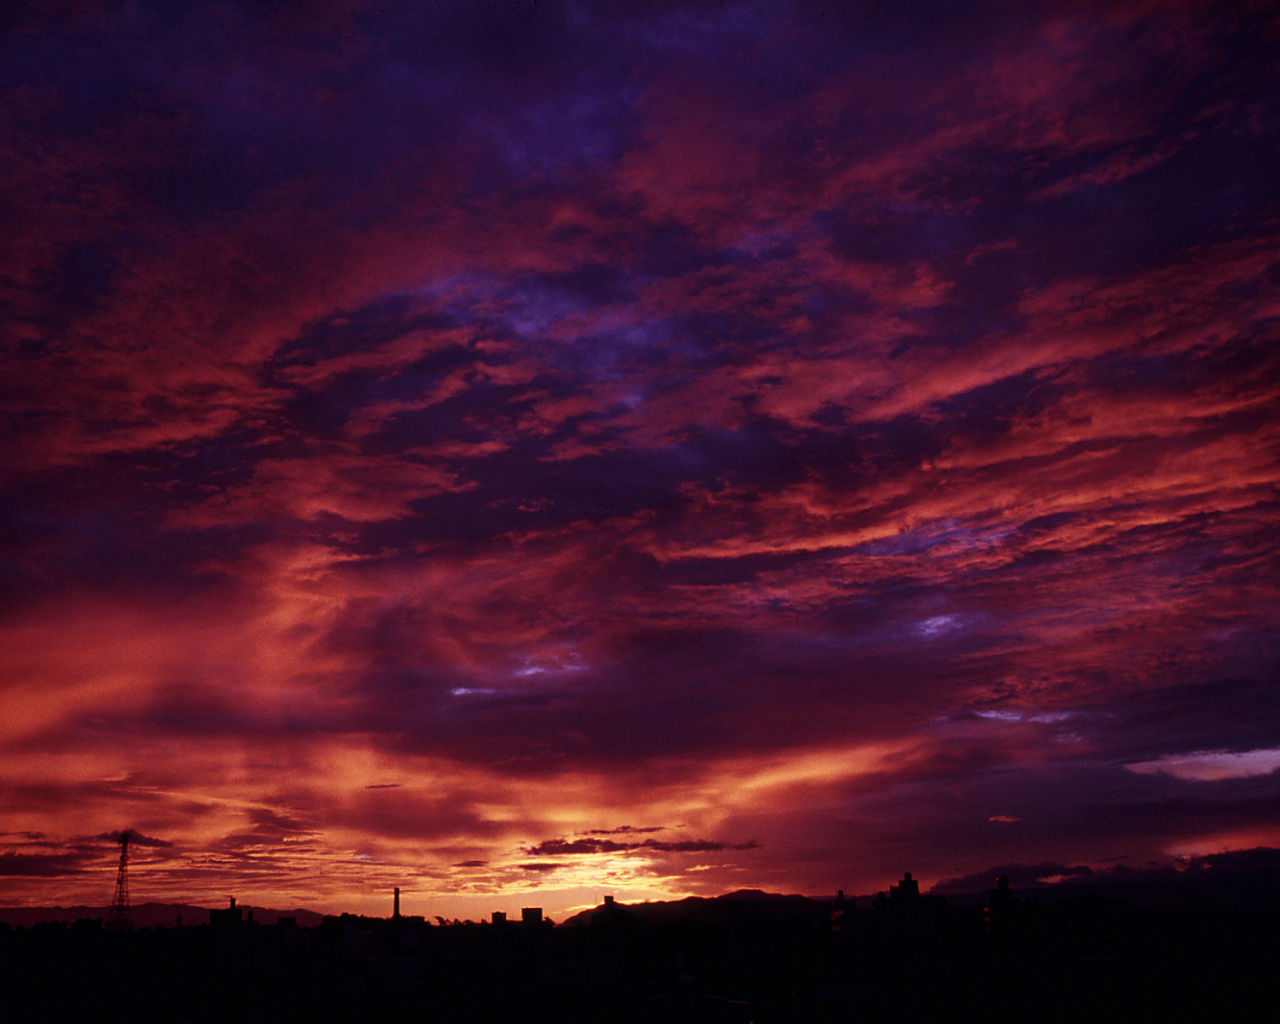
(750, 958)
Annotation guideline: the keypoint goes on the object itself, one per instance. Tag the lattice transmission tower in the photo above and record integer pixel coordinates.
(120, 904)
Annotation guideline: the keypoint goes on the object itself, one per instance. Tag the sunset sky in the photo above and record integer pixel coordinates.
(525, 451)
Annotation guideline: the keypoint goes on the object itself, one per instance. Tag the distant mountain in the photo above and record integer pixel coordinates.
(1248, 881)
(752, 904)
(1256, 894)
(1242, 880)
(150, 915)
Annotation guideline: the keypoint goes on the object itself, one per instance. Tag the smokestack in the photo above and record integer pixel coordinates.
(396, 913)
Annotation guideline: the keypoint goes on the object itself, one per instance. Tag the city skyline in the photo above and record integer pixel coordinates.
(516, 452)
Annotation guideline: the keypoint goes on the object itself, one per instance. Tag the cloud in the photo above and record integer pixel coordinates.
(135, 839)
(42, 865)
(1212, 765)
(566, 847)
(1183, 879)
(1019, 875)
(437, 430)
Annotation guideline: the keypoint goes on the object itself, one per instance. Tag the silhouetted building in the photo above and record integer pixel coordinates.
(613, 918)
(531, 915)
(229, 915)
(998, 914)
(907, 891)
(839, 915)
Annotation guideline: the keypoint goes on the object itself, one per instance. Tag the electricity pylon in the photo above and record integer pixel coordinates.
(120, 904)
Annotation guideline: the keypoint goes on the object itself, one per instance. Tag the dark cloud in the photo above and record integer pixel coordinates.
(566, 847)
(1243, 878)
(1019, 876)
(136, 838)
(1222, 714)
(43, 865)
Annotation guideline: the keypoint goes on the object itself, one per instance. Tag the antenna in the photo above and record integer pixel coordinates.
(120, 905)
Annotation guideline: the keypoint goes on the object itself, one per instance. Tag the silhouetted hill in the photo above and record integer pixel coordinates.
(1243, 881)
(751, 904)
(150, 915)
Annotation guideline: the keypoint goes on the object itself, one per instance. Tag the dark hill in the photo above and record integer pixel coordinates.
(150, 915)
(743, 904)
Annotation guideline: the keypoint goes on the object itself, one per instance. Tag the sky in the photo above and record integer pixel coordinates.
(519, 452)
